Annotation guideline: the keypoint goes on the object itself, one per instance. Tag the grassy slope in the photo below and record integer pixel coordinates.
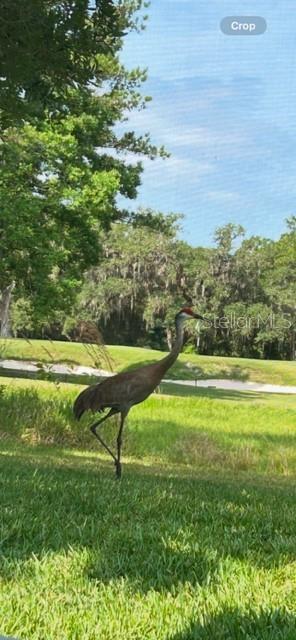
(189, 366)
(196, 542)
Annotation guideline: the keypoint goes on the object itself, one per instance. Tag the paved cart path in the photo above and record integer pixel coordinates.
(28, 366)
(63, 369)
(236, 385)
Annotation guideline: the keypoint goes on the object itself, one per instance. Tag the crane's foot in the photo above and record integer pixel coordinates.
(117, 469)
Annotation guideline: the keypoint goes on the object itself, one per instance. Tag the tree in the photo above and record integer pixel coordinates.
(61, 172)
(133, 294)
(50, 219)
(135, 283)
(280, 285)
(49, 47)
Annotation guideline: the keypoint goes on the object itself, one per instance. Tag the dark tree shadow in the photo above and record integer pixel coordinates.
(175, 389)
(181, 371)
(279, 439)
(232, 624)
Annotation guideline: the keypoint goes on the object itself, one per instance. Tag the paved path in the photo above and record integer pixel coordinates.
(64, 369)
(236, 385)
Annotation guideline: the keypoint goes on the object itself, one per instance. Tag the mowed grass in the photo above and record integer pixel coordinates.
(212, 427)
(197, 541)
(159, 555)
(188, 366)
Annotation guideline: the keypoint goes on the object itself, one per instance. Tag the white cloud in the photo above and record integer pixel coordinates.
(201, 136)
(173, 168)
(172, 134)
(163, 169)
(222, 196)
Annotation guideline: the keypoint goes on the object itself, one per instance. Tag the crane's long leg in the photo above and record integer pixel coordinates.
(93, 429)
(119, 443)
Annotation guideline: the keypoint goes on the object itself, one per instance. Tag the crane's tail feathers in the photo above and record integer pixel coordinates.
(87, 399)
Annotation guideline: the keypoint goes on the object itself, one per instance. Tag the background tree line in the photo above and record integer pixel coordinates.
(68, 251)
(247, 286)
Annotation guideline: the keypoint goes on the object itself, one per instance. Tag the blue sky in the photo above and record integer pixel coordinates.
(225, 108)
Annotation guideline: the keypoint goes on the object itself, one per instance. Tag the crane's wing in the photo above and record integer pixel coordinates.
(120, 391)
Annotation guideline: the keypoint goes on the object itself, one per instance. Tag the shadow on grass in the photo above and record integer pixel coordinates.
(232, 624)
(180, 390)
(182, 371)
(263, 438)
(154, 528)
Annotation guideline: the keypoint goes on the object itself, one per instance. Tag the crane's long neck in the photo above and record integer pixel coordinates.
(169, 360)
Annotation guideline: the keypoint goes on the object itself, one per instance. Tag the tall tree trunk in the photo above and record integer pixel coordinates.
(293, 346)
(169, 337)
(5, 302)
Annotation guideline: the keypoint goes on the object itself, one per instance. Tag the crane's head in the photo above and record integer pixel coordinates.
(186, 313)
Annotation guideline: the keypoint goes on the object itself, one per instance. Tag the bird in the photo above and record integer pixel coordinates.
(121, 392)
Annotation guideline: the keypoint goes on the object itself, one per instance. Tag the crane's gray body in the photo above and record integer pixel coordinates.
(122, 391)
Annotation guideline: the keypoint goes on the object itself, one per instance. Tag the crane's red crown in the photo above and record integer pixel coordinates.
(187, 310)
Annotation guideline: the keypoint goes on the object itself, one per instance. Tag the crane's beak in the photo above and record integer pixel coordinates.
(199, 317)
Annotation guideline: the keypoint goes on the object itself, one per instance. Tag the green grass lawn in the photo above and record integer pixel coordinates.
(189, 366)
(211, 427)
(197, 541)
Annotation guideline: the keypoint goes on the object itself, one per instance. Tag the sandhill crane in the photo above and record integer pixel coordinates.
(120, 392)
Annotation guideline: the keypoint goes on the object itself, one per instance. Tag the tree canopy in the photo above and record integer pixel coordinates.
(50, 47)
(146, 272)
(62, 162)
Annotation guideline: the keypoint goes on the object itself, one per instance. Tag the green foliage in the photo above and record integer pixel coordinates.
(167, 225)
(49, 216)
(22, 317)
(49, 47)
(62, 164)
(136, 280)
(247, 288)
